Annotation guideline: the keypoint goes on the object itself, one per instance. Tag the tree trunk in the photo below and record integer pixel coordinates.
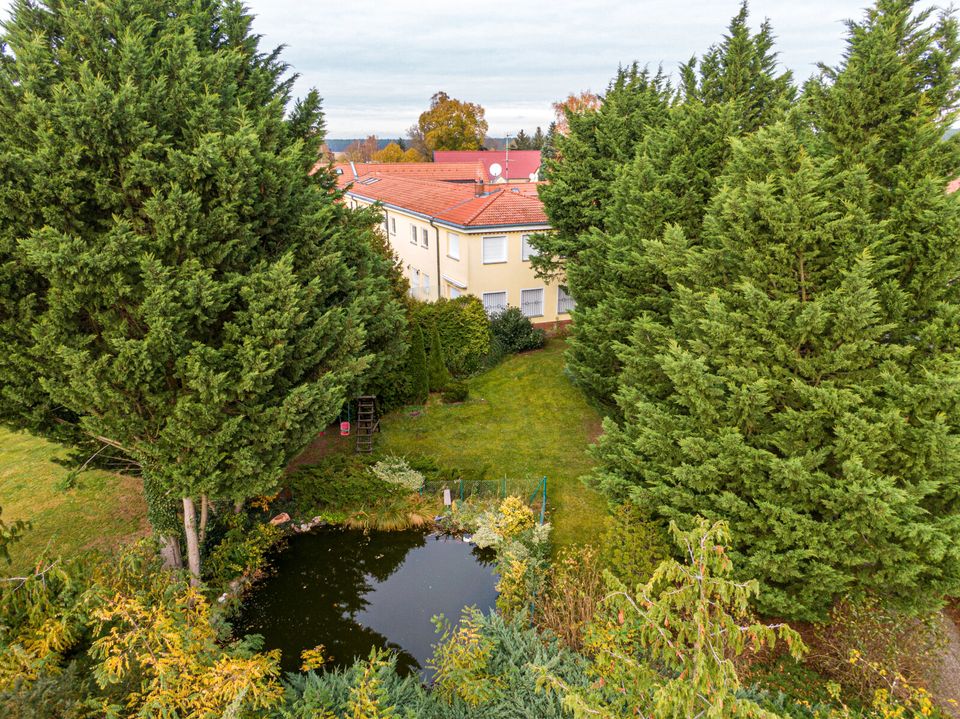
(204, 509)
(193, 544)
(238, 506)
(170, 551)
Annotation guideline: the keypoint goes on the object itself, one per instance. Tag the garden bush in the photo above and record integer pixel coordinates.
(396, 471)
(464, 331)
(457, 391)
(243, 549)
(514, 332)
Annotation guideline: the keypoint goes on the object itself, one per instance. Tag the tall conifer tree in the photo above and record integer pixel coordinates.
(735, 89)
(171, 273)
(803, 383)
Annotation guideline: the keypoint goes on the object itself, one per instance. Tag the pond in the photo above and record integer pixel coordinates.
(351, 591)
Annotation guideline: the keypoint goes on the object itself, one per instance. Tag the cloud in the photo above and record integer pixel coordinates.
(378, 62)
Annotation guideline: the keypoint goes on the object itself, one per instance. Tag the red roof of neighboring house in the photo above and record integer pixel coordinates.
(522, 163)
(449, 203)
(446, 172)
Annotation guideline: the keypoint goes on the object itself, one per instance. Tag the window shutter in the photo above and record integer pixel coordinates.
(531, 302)
(453, 245)
(494, 249)
(565, 301)
(494, 302)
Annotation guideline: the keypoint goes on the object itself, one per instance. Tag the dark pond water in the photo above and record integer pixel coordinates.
(351, 591)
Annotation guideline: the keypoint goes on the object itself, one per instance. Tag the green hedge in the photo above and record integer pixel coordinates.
(464, 331)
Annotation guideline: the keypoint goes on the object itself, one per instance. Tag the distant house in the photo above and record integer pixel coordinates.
(456, 237)
(500, 165)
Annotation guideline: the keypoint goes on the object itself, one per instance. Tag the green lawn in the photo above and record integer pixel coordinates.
(102, 510)
(523, 419)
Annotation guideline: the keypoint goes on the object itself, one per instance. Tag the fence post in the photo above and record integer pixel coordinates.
(543, 503)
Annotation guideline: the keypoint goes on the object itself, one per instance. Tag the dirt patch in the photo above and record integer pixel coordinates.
(945, 669)
(324, 444)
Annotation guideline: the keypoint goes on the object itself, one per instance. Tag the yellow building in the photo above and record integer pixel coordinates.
(461, 236)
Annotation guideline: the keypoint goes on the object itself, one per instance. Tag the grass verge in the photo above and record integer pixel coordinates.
(103, 510)
(523, 419)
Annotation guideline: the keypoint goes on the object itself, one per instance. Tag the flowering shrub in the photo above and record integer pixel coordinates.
(395, 470)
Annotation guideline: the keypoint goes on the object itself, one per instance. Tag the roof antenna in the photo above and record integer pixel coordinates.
(506, 162)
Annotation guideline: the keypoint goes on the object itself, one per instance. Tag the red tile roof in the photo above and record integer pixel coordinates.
(450, 203)
(521, 165)
(446, 172)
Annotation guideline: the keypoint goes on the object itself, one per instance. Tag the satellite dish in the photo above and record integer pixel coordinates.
(495, 169)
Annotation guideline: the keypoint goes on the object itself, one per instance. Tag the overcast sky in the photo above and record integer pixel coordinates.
(377, 62)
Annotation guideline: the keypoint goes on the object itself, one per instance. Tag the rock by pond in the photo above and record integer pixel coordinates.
(351, 591)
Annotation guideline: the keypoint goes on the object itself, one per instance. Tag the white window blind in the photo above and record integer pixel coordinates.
(425, 238)
(526, 251)
(413, 234)
(531, 302)
(393, 225)
(426, 285)
(494, 302)
(494, 249)
(453, 245)
(565, 301)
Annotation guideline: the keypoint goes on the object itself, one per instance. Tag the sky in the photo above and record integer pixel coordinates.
(377, 62)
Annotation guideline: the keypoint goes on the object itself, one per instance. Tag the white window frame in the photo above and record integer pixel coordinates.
(413, 234)
(424, 238)
(506, 250)
(563, 308)
(542, 292)
(425, 285)
(506, 301)
(454, 292)
(453, 246)
(393, 226)
(526, 251)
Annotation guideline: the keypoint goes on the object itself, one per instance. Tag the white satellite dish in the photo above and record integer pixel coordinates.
(495, 169)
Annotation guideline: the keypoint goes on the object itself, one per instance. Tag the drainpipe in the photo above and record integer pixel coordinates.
(437, 229)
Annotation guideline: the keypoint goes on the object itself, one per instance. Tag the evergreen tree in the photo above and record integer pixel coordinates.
(437, 372)
(538, 140)
(173, 276)
(417, 364)
(581, 165)
(668, 183)
(775, 400)
(522, 142)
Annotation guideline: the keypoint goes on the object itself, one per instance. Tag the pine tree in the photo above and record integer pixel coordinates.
(668, 183)
(187, 290)
(439, 377)
(417, 364)
(581, 165)
(538, 140)
(775, 401)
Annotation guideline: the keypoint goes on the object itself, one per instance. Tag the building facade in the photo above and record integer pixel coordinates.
(455, 239)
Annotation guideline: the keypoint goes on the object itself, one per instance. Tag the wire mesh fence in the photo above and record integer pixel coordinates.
(533, 490)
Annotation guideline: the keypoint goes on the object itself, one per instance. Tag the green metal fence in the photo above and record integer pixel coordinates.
(464, 489)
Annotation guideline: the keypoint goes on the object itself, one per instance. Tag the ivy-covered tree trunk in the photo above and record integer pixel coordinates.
(190, 292)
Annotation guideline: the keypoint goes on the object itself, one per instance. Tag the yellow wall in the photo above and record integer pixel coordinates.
(512, 276)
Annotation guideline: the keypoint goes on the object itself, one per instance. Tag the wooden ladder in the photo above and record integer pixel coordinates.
(367, 423)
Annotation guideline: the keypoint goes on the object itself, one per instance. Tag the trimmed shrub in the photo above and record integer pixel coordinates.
(514, 332)
(456, 392)
(464, 331)
(417, 367)
(436, 366)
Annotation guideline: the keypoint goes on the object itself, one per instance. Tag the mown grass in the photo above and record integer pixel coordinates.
(523, 419)
(102, 510)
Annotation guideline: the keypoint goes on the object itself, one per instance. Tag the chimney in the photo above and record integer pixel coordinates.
(478, 188)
